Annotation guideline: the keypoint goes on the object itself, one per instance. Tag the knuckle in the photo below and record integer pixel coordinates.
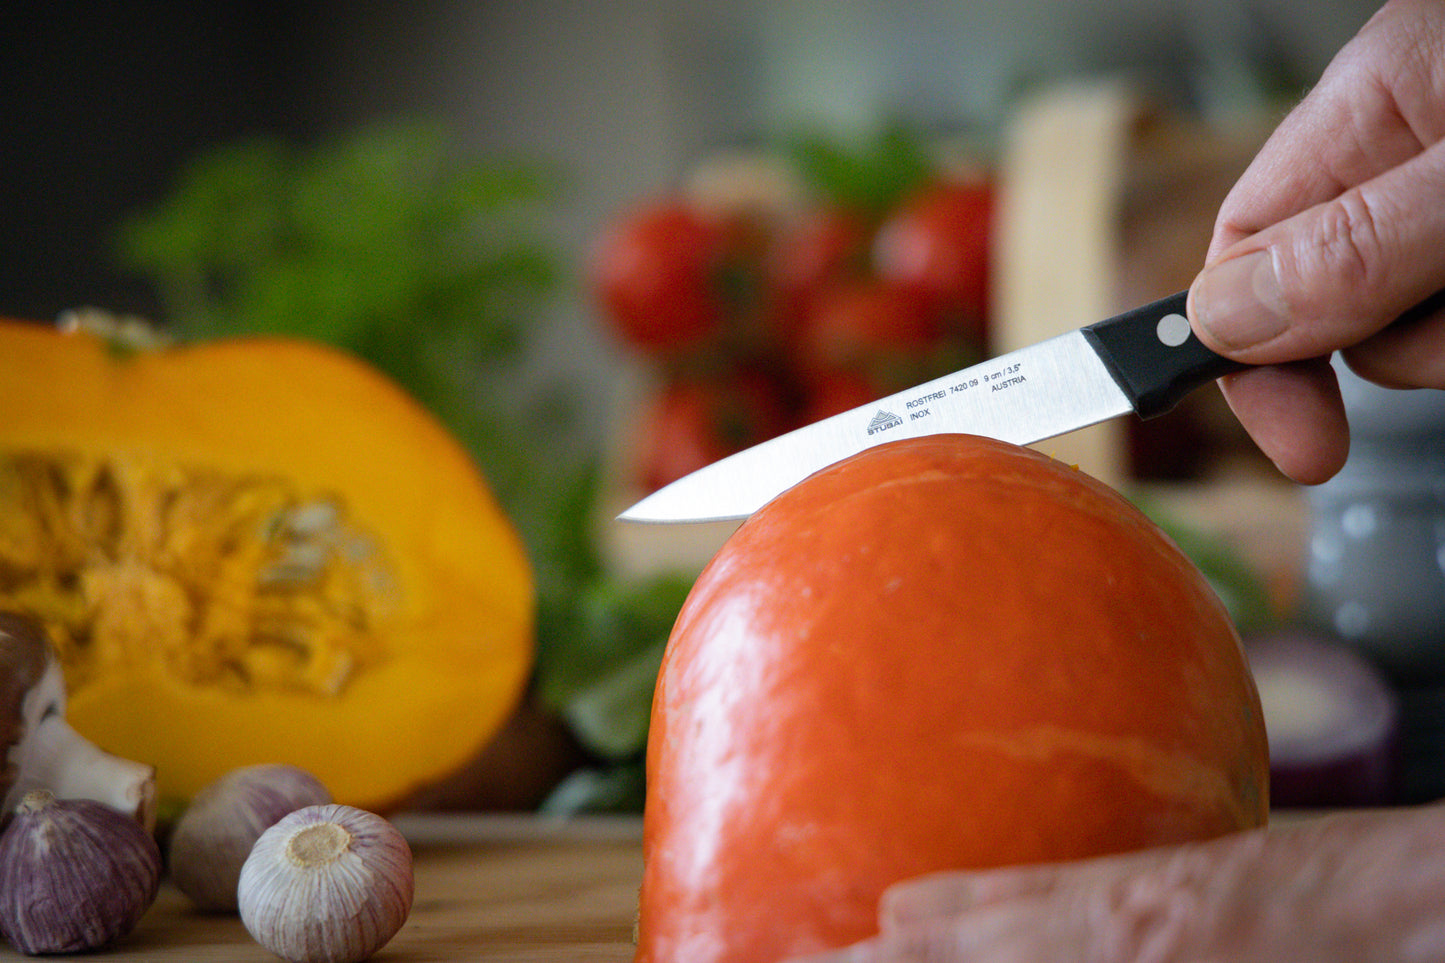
(1343, 258)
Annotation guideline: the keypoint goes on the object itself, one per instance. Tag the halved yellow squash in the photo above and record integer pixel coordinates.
(257, 550)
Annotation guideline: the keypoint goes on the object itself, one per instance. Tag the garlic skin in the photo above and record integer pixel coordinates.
(215, 834)
(42, 751)
(327, 884)
(75, 874)
(52, 755)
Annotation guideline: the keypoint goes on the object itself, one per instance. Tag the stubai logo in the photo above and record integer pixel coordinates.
(883, 421)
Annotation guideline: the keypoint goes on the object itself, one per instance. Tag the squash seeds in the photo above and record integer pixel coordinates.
(231, 580)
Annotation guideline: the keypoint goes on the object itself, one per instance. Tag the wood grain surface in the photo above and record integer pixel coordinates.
(487, 888)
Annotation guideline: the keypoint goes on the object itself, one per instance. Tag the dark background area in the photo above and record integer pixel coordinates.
(102, 104)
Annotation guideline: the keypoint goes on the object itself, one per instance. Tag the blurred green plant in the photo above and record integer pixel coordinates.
(869, 174)
(601, 684)
(386, 243)
(1237, 582)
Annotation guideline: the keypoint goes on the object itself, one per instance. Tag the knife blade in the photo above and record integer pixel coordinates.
(1142, 361)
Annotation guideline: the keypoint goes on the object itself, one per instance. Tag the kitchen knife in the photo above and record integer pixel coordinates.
(1143, 361)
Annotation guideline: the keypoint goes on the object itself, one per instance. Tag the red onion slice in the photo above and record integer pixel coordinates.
(1332, 720)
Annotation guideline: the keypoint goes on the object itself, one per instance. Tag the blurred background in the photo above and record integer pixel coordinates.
(147, 146)
(104, 104)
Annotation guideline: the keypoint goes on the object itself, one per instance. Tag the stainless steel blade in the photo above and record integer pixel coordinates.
(1025, 396)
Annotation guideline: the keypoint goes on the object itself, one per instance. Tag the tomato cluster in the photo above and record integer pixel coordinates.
(760, 322)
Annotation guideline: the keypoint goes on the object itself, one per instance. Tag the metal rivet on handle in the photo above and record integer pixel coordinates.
(1173, 330)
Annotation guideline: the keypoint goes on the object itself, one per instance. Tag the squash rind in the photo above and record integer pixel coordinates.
(943, 653)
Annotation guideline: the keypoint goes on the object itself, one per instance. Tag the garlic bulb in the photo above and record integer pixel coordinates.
(75, 874)
(41, 750)
(326, 884)
(215, 834)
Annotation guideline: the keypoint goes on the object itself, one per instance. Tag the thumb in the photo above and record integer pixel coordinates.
(1331, 275)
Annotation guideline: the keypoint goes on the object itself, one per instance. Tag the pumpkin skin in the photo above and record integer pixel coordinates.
(945, 652)
(453, 644)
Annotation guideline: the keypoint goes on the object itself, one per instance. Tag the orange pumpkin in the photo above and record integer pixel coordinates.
(944, 652)
(257, 550)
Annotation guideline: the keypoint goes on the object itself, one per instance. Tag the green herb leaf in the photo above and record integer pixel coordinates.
(871, 176)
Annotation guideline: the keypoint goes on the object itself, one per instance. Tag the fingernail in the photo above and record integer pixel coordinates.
(1237, 302)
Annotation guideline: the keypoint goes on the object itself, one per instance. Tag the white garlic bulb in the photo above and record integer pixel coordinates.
(326, 884)
(40, 748)
(215, 834)
(75, 874)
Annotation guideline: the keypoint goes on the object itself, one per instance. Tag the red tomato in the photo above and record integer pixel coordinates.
(937, 242)
(820, 248)
(660, 275)
(837, 390)
(868, 324)
(696, 420)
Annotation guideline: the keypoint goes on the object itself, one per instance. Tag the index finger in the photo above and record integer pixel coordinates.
(1377, 105)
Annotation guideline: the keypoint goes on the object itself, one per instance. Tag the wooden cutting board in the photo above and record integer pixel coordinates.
(488, 888)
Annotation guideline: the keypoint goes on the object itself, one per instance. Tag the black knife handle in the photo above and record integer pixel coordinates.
(1154, 356)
